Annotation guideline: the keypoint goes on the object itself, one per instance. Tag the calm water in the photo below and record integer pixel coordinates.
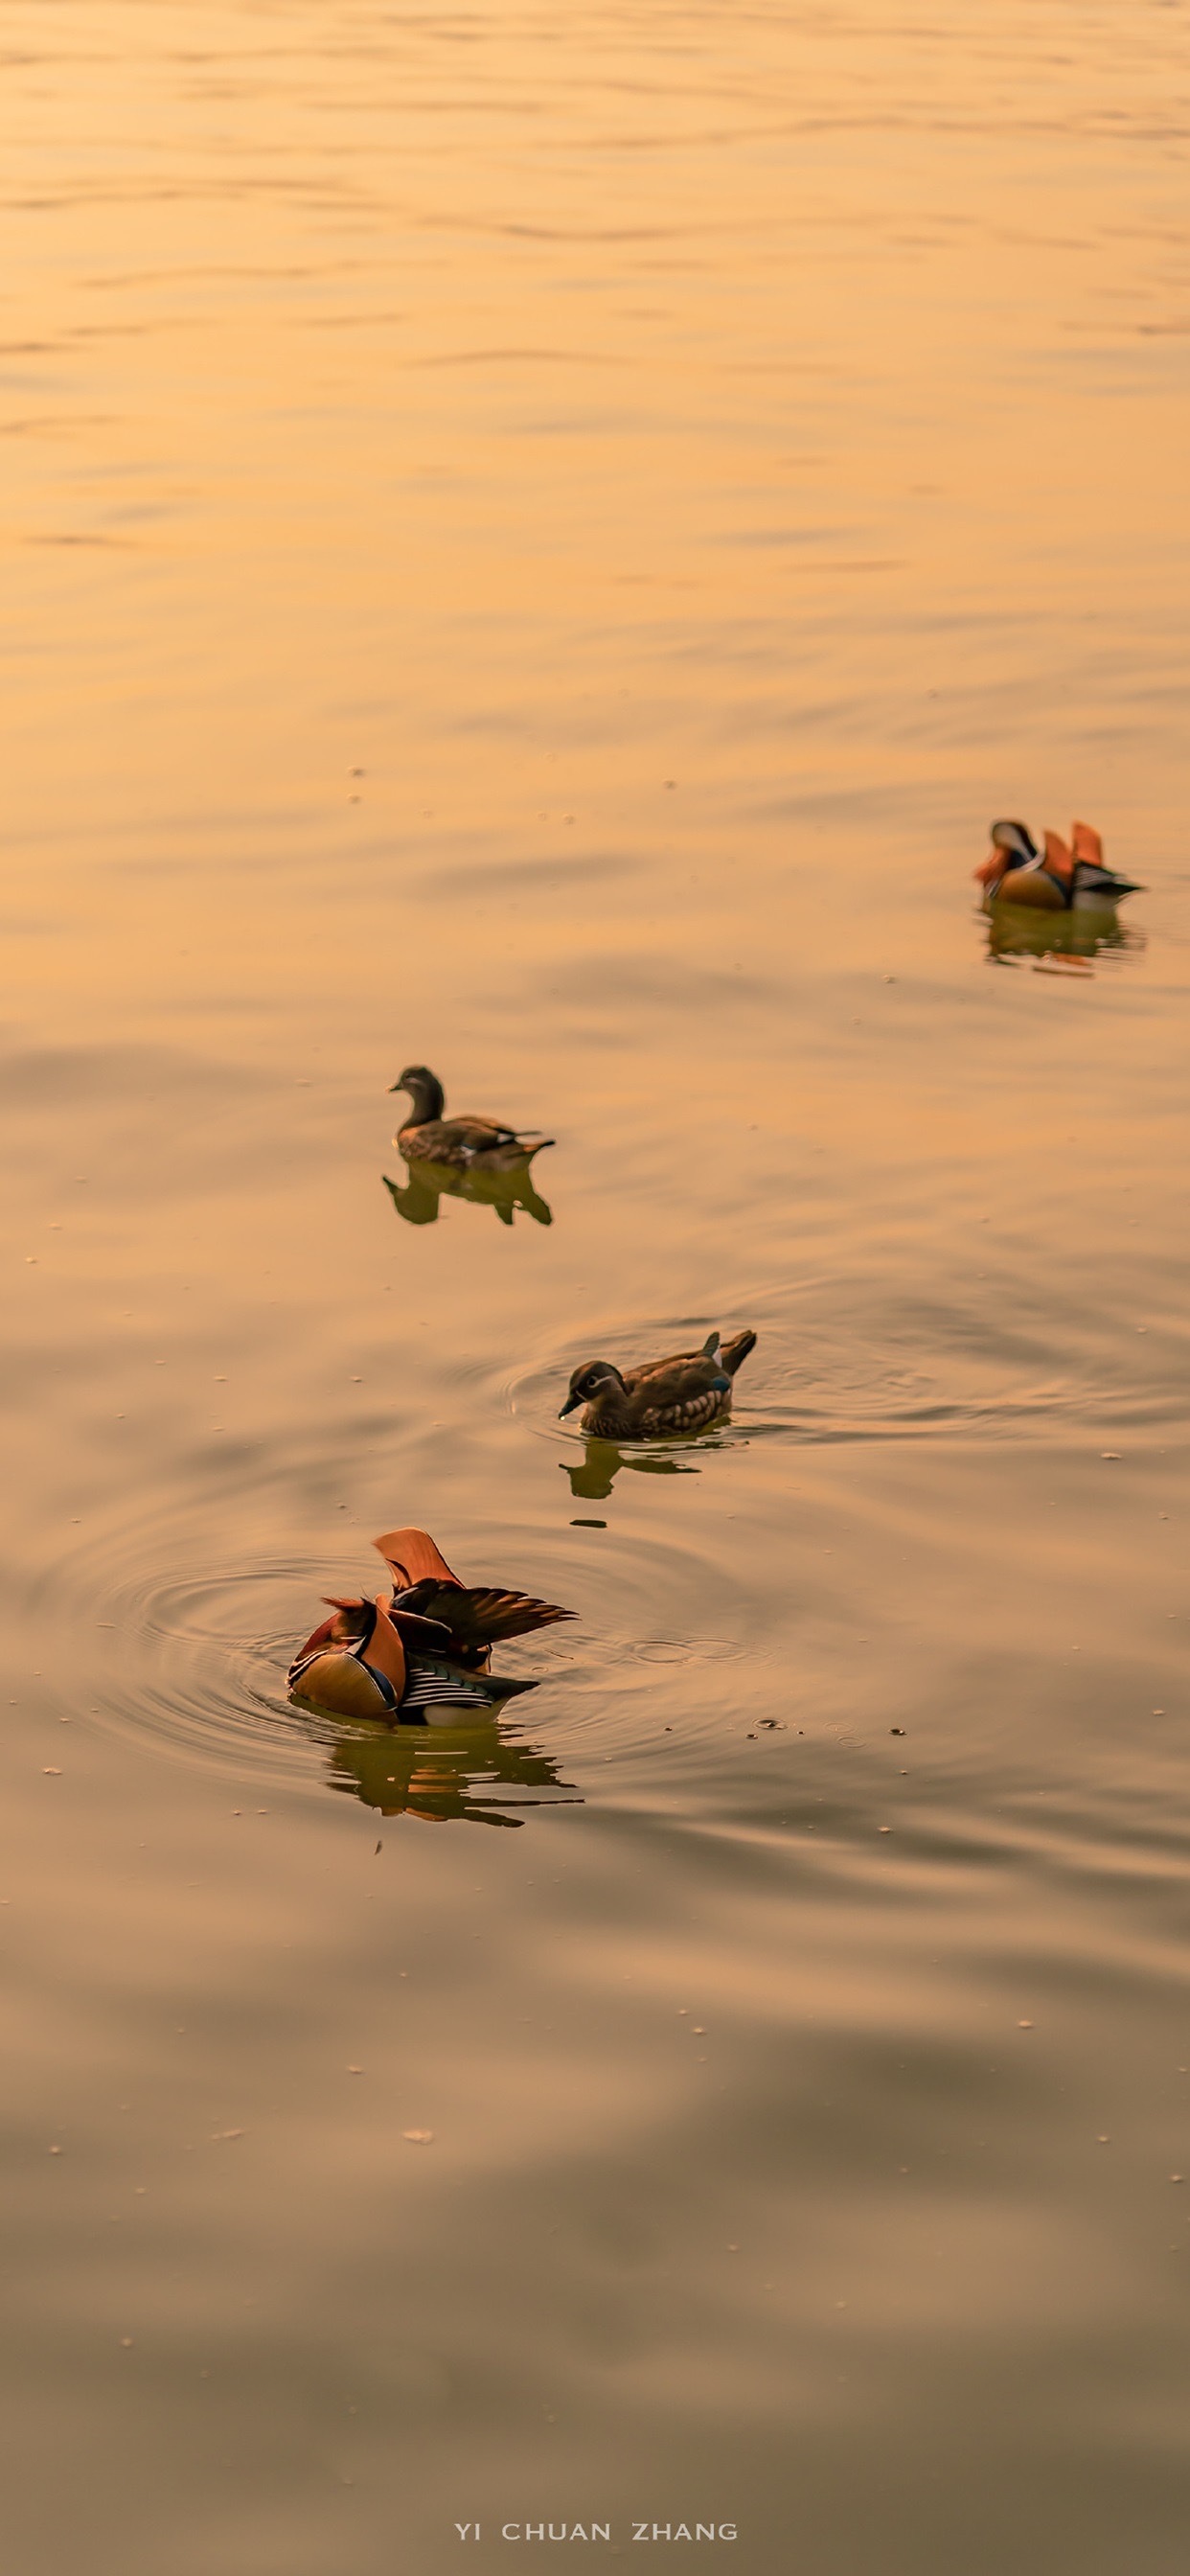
(536, 541)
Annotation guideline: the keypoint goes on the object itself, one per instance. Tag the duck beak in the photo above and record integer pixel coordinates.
(569, 1405)
(993, 866)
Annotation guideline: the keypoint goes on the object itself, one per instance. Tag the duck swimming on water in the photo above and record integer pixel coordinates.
(426, 1645)
(685, 1393)
(1053, 878)
(462, 1144)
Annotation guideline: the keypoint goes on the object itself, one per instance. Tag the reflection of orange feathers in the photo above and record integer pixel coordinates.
(412, 1557)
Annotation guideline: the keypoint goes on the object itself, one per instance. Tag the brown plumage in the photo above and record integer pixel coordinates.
(457, 1144)
(685, 1393)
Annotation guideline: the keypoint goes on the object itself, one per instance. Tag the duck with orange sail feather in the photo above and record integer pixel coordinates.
(1055, 878)
(426, 1645)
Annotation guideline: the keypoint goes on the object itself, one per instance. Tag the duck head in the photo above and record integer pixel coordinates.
(425, 1091)
(354, 1618)
(1013, 846)
(599, 1377)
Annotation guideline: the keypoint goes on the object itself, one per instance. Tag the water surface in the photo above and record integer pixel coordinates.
(536, 542)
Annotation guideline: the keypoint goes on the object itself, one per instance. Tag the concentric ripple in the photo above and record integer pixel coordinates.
(831, 1365)
(202, 1665)
(195, 1662)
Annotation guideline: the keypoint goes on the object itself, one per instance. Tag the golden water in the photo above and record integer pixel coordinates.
(536, 540)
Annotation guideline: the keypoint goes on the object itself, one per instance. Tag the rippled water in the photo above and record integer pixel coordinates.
(537, 542)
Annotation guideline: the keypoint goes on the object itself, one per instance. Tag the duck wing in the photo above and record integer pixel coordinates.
(480, 1135)
(479, 1616)
(1092, 876)
(444, 1140)
(677, 1381)
(1105, 883)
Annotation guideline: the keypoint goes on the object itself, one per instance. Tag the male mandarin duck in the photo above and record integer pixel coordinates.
(1054, 878)
(462, 1144)
(426, 1645)
(685, 1393)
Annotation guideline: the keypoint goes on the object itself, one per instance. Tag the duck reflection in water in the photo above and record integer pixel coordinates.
(481, 1159)
(1063, 942)
(504, 1191)
(592, 1479)
(469, 1770)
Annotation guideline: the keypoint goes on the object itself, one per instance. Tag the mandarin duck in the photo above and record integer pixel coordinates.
(426, 1645)
(685, 1393)
(462, 1144)
(1052, 878)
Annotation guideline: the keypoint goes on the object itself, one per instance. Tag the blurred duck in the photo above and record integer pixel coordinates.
(426, 1645)
(1052, 878)
(685, 1393)
(461, 1144)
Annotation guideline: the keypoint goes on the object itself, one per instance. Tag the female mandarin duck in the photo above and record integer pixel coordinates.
(1053, 878)
(462, 1144)
(427, 1645)
(685, 1393)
